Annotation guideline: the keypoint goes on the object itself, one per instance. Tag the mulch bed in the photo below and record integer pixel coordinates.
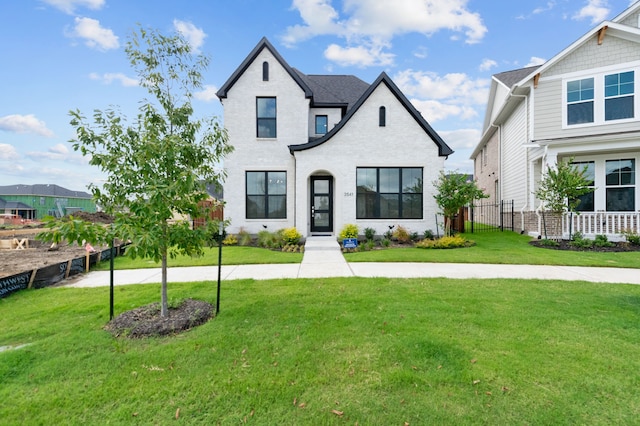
(146, 320)
(566, 245)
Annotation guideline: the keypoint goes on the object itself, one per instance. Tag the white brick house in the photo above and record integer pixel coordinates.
(317, 152)
(580, 105)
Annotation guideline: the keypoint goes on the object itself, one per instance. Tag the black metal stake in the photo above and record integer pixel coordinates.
(111, 280)
(220, 232)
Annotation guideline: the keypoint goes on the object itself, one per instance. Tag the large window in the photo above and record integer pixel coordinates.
(580, 94)
(586, 200)
(618, 94)
(321, 124)
(266, 117)
(389, 193)
(266, 195)
(620, 185)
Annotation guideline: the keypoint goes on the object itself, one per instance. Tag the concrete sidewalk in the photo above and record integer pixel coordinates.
(323, 259)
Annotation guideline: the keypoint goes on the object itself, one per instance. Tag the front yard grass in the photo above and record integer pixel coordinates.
(332, 352)
(501, 248)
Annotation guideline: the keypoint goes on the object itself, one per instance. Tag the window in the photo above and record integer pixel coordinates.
(586, 200)
(266, 117)
(382, 117)
(265, 71)
(618, 96)
(620, 185)
(321, 124)
(580, 94)
(266, 195)
(389, 193)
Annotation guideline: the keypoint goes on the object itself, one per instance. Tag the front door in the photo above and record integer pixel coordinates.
(321, 204)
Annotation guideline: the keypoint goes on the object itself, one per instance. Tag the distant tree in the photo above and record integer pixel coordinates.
(156, 165)
(561, 187)
(455, 192)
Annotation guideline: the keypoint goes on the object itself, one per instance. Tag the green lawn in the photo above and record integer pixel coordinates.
(500, 247)
(331, 352)
(231, 255)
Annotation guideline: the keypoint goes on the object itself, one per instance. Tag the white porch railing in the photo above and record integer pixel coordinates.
(611, 224)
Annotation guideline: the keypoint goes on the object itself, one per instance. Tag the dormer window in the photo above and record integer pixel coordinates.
(265, 71)
(382, 117)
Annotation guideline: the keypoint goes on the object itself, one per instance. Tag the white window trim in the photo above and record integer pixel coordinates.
(599, 98)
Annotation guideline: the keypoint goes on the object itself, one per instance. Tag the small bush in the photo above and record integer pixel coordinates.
(401, 234)
(291, 235)
(602, 241)
(369, 234)
(231, 240)
(428, 234)
(271, 240)
(580, 242)
(414, 236)
(545, 242)
(244, 238)
(349, 230)
(386, 242)
(632, 237)
(445, 243)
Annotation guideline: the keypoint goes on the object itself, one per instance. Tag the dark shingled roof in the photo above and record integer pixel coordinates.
(509, 78)
(14, 205)
(334, 90)
(42, 189)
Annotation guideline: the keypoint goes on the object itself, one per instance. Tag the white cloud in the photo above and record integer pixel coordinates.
(8, 152)
(58, 152)
(487, 64)
(24, 124)
(461, 138)
(358, 56)
(195, 36)
(208, 94)
(69, 6)
(94, 35)
(371, 25)
(109, 78)
(596, 10)
(535, 61)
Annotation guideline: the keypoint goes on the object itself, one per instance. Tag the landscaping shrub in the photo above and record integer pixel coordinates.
(349, 230)
(231, 240)
(291, 236)
(428, 234)
(401, 234)
(602, 241)
(369, 234)
(244, 238)
(632, 237)
(580, 242)
(455, 241)
(271, 240)
(549, 243)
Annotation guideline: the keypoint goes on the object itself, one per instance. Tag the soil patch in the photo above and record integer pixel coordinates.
(146, 320)
(566, 245)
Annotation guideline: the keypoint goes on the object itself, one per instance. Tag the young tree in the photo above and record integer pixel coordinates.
(156, 165)
(455, 192)
(561, 187)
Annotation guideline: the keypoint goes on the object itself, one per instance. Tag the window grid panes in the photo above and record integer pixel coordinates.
(587, 200)
(321, 124)
(580, 96)
(266, 195)
(266, 117)
(620, 185)
(618, 92)
(389, 193)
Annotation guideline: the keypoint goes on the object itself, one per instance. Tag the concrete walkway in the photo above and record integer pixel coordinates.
(323, 259)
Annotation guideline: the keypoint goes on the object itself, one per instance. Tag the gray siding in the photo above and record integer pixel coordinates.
(514, 134)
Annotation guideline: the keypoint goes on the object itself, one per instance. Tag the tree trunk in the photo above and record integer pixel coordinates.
(164, 310)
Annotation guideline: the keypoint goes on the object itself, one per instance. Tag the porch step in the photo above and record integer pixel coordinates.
(321, 255)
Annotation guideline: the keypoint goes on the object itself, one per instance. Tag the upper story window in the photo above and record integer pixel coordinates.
(618, 95)
(600, 99)
(321, 124)
(265, 71)
(580, 101)
(266, 117)
(382, 117)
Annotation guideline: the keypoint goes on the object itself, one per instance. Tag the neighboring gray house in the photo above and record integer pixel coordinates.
(317, 152)
(580, 105)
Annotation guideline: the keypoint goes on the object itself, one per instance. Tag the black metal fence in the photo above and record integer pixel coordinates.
(490, 217)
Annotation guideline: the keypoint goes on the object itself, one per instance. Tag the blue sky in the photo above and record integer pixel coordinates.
(62, 55)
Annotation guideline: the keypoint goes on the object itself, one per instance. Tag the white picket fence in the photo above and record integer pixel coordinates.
(611, 224)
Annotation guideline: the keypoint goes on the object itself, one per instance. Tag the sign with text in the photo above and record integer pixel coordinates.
(350, 243)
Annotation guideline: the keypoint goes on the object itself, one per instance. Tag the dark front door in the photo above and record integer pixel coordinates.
(321, 204)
